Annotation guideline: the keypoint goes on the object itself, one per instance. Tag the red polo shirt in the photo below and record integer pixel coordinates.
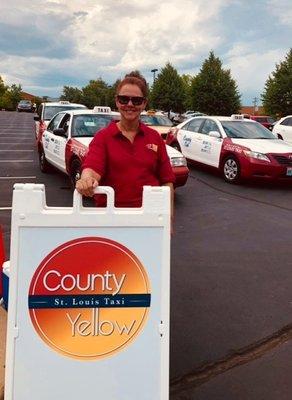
(127, 166)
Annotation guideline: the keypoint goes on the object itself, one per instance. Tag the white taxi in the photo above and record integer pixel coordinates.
(239, 147)
(64, 143)
(283, 128)
(156, 120)
(47, 110)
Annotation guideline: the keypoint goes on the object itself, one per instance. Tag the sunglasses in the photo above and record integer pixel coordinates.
(136, 100)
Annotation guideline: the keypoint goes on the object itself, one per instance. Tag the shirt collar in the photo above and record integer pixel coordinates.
(115, 130)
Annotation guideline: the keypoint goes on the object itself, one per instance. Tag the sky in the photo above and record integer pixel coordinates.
(45, 45)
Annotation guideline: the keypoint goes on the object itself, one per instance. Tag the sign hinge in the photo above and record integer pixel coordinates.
(161, 329)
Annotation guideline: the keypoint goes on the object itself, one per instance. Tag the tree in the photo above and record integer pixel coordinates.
(15, 94)
(96, 93)
(277, 95)
(168, 91)
(187, 82)
(111, 94)
(72, 94)
(10, 96)
(213, 90)
(3, 88)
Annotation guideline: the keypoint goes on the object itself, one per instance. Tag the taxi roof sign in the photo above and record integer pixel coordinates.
(237, 117)
(102, 109)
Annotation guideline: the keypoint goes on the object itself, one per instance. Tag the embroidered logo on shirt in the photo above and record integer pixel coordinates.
(152, 146)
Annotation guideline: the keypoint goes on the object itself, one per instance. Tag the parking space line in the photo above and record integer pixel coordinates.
(17, 150)
(17, 161)
(15, 143)
(5, 208)
(17, 177)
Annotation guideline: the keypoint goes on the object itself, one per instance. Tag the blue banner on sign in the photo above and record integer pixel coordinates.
(89, 301)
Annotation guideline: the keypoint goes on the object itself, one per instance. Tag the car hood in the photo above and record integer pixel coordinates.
(265, 145)
(160, 129)
(172, 153)
(83, 140)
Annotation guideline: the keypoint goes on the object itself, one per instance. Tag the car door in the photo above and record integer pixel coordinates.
(188, 138)
(285, 129)
(49, 138)
(208, 148)
(60, 142)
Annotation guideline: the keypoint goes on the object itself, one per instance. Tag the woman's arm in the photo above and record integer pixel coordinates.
(88, 182)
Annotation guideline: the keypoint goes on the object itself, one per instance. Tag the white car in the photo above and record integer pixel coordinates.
(240, 148)
(46, 111)
(283, 129)
(64, 143)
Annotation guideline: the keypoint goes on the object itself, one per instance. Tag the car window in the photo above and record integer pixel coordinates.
(194, 125)
(50, 111)
(260, 119)
(55, 122)
(88, 125)
(40, 109)
(65, 123)
(209, 126)
(286, 121)
(155, 120)
(246, 130)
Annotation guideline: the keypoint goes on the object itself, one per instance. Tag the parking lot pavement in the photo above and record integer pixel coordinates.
(267, 378)
(230, 276)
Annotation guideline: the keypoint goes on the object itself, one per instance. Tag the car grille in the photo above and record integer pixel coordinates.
(283, 160)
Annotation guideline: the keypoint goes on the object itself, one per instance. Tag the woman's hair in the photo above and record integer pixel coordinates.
(134, 78)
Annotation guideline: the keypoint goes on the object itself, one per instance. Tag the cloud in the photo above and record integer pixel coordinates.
(251, 68)
(49, 44)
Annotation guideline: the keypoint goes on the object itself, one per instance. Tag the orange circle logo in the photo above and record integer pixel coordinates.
(89, 298)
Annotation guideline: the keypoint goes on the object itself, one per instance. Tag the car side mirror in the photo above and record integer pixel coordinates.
(59, 132)
(215, 134)
(36, 118)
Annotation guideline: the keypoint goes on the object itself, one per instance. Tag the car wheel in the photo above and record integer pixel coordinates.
(44, 165)
(231, 170)
(75, 172)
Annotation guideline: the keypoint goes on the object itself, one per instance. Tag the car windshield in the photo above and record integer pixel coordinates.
(25, 102)
(271, 120)
(50, 111)
(88, 125)
(155, 120)
(246, 130)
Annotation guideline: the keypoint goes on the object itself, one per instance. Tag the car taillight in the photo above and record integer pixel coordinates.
(42, 128)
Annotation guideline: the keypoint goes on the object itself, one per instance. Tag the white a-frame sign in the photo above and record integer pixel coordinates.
(88, 314)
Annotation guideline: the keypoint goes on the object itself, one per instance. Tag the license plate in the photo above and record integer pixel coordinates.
(289, 171)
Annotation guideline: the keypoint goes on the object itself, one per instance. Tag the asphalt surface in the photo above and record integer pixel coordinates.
(230, 281)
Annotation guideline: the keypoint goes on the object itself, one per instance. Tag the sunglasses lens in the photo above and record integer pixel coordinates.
(123, 99)
(136, 100)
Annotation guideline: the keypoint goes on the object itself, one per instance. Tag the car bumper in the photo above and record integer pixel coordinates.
(260, 169)
(25, 109)
(181, 175)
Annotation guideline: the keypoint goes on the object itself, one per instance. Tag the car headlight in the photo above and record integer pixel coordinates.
(255, 154)
(178, 162)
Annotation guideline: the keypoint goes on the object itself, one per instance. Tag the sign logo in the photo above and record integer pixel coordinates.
(89, 298)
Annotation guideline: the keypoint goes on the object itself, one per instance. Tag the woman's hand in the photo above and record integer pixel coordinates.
(88, 182)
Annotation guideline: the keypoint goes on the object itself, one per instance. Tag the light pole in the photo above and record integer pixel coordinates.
(154, 70)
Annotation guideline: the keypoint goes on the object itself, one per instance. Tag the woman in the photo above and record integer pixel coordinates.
(127, 154)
